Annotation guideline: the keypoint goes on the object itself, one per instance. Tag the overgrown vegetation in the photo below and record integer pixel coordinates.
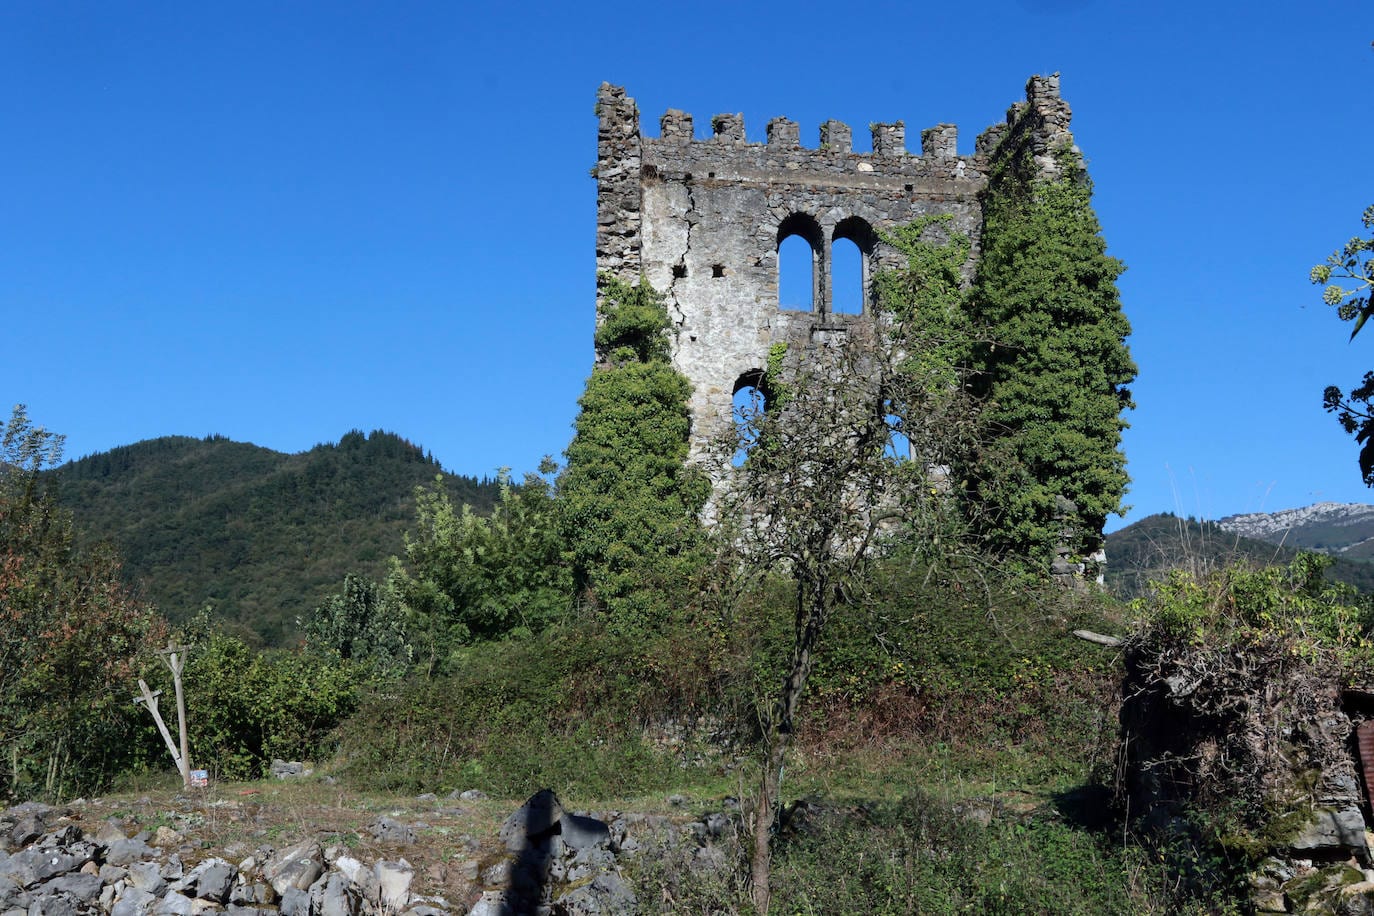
(1234, 712)
(1052, 377)
(848, 623)
(72, 638)
(628, 500)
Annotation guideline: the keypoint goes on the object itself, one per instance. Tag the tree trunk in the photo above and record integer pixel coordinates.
(811, 608)
(760, 870)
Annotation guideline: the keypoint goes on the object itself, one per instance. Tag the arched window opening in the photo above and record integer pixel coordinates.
(846, 278)
(898, 445)
(796, 264)
(800, 243)
(851, 254)
(750, 403)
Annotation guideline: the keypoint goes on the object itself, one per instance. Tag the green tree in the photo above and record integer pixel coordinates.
(1347, 276)
(821, 494)
(628, 503)
(365, 623)
(1052, 381)
(468, 576)
(71, 637)
(244, 707)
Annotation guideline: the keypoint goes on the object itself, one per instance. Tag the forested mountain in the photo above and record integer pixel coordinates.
(1151, 547)
(259, 536)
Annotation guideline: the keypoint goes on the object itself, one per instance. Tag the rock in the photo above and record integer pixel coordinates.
(109, 832)
(580, 832)
(33, 865)
(536, 819)
(174, 904)
(52, 906)
(393, 884)
(281, 769)
(716, 824)
(491, 903)
(83, 888)
(147, 876)
(133, 902)
(28, 828)
(1356, 900)
(427, 797)
(297, 867)
(124, 852)
(295, 902)
(388, 830)
(249, 895)
(497, 874)
(350, 867)
(166, 836)
(606, 895)
(472, 795)
(709, 859)
(332, 896)
(1330, 831)
(67, 835)
(12, 895)
(210, 880)
(171, 868)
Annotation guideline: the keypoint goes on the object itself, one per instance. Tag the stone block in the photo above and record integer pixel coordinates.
(296, 867)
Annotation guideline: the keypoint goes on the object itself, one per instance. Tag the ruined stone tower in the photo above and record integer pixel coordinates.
(703, 221)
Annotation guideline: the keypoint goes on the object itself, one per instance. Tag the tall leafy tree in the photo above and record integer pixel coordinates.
(628, 502)
(1053, 379)
(71, 636)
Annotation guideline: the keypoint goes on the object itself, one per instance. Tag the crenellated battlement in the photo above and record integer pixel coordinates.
(783, 147)
(835, 139)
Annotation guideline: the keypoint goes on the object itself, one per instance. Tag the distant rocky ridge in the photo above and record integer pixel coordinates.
(1337, 528)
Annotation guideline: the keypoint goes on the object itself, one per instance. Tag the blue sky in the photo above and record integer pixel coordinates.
(281, 221)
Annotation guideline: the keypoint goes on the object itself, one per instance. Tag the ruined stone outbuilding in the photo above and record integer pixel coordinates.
(704, 220)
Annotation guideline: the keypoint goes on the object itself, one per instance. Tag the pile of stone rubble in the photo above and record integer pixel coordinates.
(548, 861)
(51, 865)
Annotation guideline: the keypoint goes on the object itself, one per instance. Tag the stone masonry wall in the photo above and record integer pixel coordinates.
(702, 221)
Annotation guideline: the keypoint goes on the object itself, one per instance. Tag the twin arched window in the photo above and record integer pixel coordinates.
(820, 275)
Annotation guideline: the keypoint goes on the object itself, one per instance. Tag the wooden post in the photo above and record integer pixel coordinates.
(175, 657)
(149, 699)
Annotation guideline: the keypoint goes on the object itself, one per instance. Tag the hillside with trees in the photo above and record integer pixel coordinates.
(1147, 551)
(257, 536)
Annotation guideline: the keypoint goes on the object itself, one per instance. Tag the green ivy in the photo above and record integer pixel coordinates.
(1052, 380)
(628, 503)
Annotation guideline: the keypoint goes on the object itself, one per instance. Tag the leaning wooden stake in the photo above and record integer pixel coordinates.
(149, 699)
(175, 656)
